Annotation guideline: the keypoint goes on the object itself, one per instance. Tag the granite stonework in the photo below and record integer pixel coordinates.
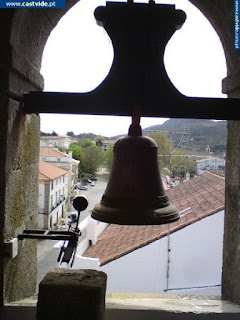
(231, 249)
(20, 185)
(23, 34)
(72, 294)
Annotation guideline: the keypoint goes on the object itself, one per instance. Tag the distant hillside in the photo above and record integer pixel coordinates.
(197, 133)
(89, 135)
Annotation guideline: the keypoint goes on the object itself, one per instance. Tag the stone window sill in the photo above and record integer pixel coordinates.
(128, 306)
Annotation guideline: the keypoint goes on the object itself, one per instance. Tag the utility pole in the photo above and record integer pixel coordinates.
(170, 153)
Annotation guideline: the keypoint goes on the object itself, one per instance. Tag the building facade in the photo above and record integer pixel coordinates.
(65, 162)
(60, 159)
(53, 195)
(56, 141)
(203, 165)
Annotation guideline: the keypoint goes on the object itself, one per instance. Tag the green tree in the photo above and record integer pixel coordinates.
(163, 143)
(70, 134)
(93, 159)
(173, 162)
(108, 156)
(99, 141)
(181, 164)
(84, 143)
(54, 133)
(77, 151)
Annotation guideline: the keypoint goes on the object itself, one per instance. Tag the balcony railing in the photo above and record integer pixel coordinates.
(63, 198)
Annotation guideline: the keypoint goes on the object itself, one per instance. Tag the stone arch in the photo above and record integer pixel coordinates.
(23, 37)
(221, 16)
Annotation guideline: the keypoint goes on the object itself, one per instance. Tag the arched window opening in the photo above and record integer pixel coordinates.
(78, 57)
(194, 57)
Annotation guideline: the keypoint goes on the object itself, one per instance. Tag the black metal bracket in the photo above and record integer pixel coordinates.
(49, 235)
(71, 236)
(139, 33)
(165, 107)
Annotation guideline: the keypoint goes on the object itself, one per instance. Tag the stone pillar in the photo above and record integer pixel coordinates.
(23, 34)
(19, 142)
(72, 294)
(19, 178)
(231, 247)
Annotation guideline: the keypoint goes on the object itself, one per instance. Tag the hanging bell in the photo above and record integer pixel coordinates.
(135, 193)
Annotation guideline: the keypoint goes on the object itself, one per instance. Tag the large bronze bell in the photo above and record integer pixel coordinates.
(135, 193)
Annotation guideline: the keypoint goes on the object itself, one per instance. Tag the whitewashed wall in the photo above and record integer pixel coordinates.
(143, 270)
(41, 198)
(196, 254)
(58, 187)
(211, 163)
(60, 159)
(195, 261)
(43, 195)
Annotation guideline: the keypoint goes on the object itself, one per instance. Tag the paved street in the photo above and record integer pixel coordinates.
(94, 195)
(47, 255)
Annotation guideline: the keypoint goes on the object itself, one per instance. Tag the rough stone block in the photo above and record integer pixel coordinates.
(72, 294)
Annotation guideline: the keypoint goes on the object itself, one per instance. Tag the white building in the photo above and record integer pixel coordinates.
(65, 162)
(205, 164)
(181, 257)
(56, 141)
(60, 159)
(106, 144)
(53, 194)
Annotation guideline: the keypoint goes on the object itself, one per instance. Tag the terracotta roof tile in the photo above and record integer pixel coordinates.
(51, 152)
(48, 171)
(197, 198)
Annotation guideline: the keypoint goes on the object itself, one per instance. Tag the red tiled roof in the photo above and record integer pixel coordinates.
(63, 137)
(49, 172)
(51, 152)
(195, 199)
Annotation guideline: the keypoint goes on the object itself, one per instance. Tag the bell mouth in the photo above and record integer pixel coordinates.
(135, 216)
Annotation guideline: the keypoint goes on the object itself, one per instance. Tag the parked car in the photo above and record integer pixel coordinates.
(92, 184)
(83, 188)
(72, 217)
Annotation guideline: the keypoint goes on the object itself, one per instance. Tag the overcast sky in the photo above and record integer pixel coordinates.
(78, 56)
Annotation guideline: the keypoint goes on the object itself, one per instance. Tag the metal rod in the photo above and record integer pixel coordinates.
(43, 237)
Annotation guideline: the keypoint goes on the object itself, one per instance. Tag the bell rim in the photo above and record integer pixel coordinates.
(135, 203)
(159, 216)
